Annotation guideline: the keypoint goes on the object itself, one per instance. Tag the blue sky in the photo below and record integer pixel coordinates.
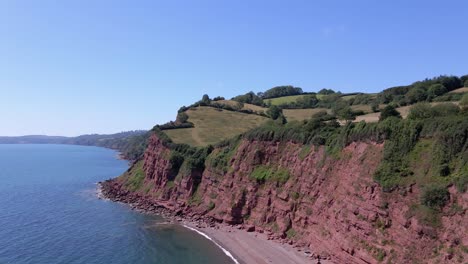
(75, 67)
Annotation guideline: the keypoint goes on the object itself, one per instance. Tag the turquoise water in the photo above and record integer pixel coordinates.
(49, 213)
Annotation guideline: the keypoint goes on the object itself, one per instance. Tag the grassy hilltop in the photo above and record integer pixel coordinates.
(210, 121)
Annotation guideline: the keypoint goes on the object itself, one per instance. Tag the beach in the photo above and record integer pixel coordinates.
(253, 247)
(242, 246)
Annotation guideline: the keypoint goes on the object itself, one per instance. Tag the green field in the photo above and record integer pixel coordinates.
(302, 114)
(213, 125)
(283, 100)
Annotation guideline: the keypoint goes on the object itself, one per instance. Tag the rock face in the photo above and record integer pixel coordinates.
(328, 203)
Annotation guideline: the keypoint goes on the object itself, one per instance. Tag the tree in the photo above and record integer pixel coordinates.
(307, 101)
(326, 91)
(436, 90)
(389, 111)
(416, 95)
(274, 112)
(464, 80)
(450, 82)
(345, 113)
(206, 99)
(280, 91)
(375, 106)
(249, 98)
(218, 98)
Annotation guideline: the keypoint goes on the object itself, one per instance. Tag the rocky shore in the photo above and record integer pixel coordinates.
(247, 244)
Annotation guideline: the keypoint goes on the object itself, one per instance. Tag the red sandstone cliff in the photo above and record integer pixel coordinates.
(329, 203)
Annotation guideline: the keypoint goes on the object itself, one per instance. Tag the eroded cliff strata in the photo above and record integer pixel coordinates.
(303, 195)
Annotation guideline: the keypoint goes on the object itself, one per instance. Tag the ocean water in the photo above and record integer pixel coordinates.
(49, 213)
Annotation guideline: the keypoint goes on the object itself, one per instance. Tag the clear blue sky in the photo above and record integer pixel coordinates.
(75, 67)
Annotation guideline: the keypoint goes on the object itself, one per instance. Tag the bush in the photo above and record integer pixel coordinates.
(218, 98)
(182, 117)
(436, 90)
(420, 111)
(445, 109)
(249, 98)
(435, 197)
(326, 91)
(464, 103)
(389, 111)
(416, 95)
(274, 112)
(280, 91)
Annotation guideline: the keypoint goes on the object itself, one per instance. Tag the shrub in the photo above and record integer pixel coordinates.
(435, 197)
(436, 90)
(274, 112)
(218, 98)
(389, 111)
(464, 103)
(420, 111)
(280, 91)
(182, 117)
(445, 109)
(416, 95)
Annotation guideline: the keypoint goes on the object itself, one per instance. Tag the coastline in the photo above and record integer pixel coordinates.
(241, 245)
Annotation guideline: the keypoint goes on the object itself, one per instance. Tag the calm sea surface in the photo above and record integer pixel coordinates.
(49, 213)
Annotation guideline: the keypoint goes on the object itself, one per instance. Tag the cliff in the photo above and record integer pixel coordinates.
(304, 195)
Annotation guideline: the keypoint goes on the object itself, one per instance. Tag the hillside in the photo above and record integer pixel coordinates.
(131, 144)
(212, 125)
(391, 189)
(355, 193)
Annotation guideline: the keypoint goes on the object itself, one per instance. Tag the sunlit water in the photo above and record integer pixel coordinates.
(49, 213)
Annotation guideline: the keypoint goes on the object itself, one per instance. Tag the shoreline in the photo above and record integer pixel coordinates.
(226, 252)
(239, 244)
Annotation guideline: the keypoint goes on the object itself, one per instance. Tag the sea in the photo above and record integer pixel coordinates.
(50, 212)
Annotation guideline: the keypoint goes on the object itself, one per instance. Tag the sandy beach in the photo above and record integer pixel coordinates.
(252, 247)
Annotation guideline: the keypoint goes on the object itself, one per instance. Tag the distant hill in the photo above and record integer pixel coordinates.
(131, 144)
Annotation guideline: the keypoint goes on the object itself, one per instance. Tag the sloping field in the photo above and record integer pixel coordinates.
(364, 108)
(460, 90)
(213, 125)
(404, 110)
(283, 100)
(302, 114)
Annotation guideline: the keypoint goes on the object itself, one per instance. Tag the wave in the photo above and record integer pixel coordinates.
(218, 245)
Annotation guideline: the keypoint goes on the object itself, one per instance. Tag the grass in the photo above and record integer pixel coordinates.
(305, 150)
(135, 176)
(363, 107)
(302, 114)
(264, 173)
(283, 100)
(214, 125)
(348, 97)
